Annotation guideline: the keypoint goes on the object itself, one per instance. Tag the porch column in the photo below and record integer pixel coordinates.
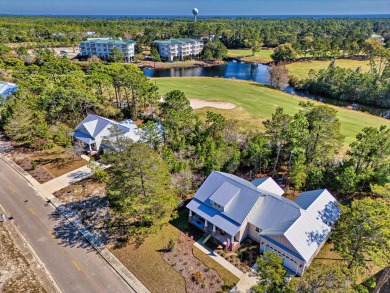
(231, 241)
(190, 213)
(205, 223)
(89, 146)
(214, 228)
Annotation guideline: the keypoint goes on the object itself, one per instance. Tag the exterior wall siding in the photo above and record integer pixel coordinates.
(103, 50)
(253, 233)
(179, 50)
(289, 261)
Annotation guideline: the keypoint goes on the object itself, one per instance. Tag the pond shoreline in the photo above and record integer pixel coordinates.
(256, 73)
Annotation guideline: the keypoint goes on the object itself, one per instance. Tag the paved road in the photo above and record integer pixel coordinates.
(72, 262)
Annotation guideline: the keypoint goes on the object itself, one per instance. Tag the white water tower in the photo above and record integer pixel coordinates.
(195, 12)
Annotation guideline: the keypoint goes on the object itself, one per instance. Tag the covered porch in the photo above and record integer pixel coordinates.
(84, 142)
(227, 240)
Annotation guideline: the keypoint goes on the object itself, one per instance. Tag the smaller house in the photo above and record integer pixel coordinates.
(94, 130)
(7, 88)
(378, 37)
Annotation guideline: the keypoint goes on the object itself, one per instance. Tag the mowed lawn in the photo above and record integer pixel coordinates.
(263, 56)
(302, 68)
(257, 102)
(147, 264)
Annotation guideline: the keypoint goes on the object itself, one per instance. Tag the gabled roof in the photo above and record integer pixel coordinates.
(94, 126)
(224, 194)
(306, 233)
(214, 216)
(303, 235)
(239, 205)
(176, 41)
(311, 199)
(267, 184)
(108, 41)
(274, 210)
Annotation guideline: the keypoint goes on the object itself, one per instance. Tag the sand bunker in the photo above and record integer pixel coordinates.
(197, 104)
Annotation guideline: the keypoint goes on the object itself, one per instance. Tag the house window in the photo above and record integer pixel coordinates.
(257, 229)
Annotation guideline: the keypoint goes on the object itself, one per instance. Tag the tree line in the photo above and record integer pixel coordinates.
(310, 36)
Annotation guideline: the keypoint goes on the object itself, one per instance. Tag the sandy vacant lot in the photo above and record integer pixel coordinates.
(17, 266)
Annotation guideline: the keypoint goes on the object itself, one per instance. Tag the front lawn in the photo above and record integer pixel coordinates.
(148, 265)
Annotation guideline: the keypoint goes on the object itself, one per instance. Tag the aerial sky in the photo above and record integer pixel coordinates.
(184, 7)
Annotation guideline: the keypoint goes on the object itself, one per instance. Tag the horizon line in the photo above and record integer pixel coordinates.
(185, 15)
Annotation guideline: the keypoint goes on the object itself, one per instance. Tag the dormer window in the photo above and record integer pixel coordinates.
(223, 196)
(217, 206)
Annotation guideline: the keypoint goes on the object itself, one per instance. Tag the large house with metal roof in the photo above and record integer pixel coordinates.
(94, 130)
(230, 209)
(102, 47)
(178, 48)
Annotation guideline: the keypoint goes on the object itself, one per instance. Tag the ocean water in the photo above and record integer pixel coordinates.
(211, 16)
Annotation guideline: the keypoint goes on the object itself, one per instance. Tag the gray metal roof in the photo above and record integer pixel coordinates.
(240, 205)
(300, 227)
(224, 194)
(273, 211)
(307, 198)
(268, 185)
(83, 137)
(214, 216)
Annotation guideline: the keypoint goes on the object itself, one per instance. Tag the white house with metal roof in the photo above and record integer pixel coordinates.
(7, 88)
(231, 209)
(94, 130)
(178, 48)
(102, 47)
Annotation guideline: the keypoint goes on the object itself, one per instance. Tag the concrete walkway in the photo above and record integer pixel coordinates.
(246, 282)
(219, 259)
(48, 188)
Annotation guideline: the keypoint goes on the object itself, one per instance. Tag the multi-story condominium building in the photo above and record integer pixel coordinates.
(102, 47)
(179, 48)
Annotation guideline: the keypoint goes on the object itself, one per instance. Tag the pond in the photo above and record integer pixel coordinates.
(254, 72)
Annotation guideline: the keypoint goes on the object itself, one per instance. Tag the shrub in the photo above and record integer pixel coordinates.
(203, 285)
(206, 269)
(197, 277)
(171, 245)
(33, 164)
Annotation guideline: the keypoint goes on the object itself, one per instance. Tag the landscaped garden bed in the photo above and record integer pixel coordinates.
(198, 277)
(243, 258)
